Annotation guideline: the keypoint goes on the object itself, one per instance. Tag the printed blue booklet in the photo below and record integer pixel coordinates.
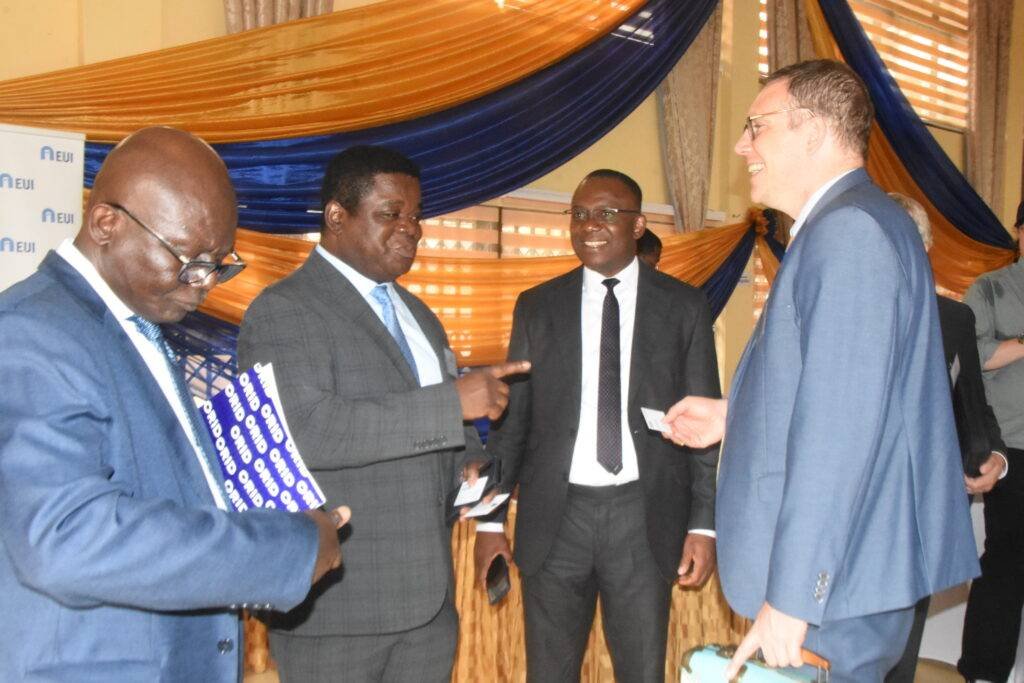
(262, 467)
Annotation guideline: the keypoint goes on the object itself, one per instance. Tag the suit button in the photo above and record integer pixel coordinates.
(225, 645)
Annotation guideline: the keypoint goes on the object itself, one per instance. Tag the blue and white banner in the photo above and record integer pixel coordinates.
(41, 174)
(261, 466)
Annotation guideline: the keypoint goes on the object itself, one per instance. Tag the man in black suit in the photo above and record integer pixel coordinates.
(606, 506)
(981, 445)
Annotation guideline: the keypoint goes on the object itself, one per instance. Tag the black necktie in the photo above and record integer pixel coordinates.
(609, 389)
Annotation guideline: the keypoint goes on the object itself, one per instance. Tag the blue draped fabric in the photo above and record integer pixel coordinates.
(935, 174)
(720, 285)
(481, 149)
(777, 247)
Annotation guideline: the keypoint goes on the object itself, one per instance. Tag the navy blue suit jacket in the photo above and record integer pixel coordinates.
(116, 565)
(840, 489)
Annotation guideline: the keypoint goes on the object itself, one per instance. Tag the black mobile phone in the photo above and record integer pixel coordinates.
(497, 580)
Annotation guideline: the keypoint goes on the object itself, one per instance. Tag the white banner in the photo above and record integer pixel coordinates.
(41, 173)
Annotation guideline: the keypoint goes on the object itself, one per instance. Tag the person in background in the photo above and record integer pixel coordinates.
(839, 408)
(994, 605)
(981, 446)
(122, 560)
(648, 248)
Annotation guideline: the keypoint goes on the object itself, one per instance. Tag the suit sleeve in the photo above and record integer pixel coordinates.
(846, 302)
(507, 438)
(85, 533)
(700, 374)
(973, 388)
(331, 429)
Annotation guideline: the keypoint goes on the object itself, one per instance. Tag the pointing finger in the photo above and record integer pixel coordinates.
(512, 368)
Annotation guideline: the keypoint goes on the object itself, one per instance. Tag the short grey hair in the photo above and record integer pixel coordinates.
(918, 214)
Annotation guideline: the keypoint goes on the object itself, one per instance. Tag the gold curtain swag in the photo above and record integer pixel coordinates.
(956, 258)
(388, 62)
(472, 297)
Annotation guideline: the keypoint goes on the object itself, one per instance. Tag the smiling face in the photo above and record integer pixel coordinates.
(606, 246)
(378, 239)
(774, 150)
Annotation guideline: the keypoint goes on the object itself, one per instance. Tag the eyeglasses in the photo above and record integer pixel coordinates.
(604, 215)
(751, 129)
(193, 271)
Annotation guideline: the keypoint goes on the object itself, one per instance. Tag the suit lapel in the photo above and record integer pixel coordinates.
(646, 334)
(143, 393)
(338, 294)
(566, 322)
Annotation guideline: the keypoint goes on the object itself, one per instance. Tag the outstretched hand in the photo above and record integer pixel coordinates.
(697, 421)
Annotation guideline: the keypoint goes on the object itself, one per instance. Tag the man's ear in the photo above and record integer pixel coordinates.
(818, 131)
(335, 216)
(639, 226)
(102, 224)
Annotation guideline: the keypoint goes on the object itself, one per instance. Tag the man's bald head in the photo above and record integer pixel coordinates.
(174, 184)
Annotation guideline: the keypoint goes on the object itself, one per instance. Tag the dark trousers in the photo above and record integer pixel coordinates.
(861, 649)
(904, 670)
(992, 624)
(421, 655)
(601, 549)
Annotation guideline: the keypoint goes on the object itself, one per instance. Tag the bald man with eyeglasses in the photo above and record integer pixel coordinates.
(122, 560)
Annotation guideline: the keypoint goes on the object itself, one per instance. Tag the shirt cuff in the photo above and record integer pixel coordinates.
(704, 532)
(490, 527)
(1006, 463)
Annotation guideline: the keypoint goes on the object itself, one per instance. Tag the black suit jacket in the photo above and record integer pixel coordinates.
(673, 356)
(976, 426)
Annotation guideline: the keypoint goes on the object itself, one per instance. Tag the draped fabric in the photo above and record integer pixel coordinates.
(904, 157)
(789, 38)
(686, 104)
(990, 79)
(484, 148)
(243, 15)
(472, 297)
(391, 61)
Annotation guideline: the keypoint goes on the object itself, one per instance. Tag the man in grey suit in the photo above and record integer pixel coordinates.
(370, 389)
(840, 495)
(606, 506)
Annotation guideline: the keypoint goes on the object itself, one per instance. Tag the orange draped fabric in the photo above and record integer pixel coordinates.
(956, 259)
(391, 61)
(472, 297)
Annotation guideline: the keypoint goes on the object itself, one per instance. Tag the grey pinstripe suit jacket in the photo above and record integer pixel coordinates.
(375, 441)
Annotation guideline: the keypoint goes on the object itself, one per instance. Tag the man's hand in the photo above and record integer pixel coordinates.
(697, 421)
(328, 552)
(779, 636)
(990, 470)
(489, 544)
(698, 560)
(483, 394)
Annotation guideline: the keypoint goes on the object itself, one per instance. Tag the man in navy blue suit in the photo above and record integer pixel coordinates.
(121, 561)
(840, 499)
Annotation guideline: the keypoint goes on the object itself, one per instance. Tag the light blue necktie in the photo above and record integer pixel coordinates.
(153, 333)
(390, 320)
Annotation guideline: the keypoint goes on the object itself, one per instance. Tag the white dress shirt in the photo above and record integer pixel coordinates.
(428, 366)
(585, 469)
(152, 356)
(812, 201)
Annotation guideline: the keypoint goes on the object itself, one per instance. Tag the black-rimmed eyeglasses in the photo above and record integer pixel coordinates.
(193, 271)
(605, 215)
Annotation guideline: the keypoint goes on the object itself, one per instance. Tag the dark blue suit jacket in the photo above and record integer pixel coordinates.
(840, 489)
(116, 565)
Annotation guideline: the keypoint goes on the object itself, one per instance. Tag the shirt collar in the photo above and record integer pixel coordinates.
(363, 284)
(627, 277)
(813, 200)
(77, 260)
